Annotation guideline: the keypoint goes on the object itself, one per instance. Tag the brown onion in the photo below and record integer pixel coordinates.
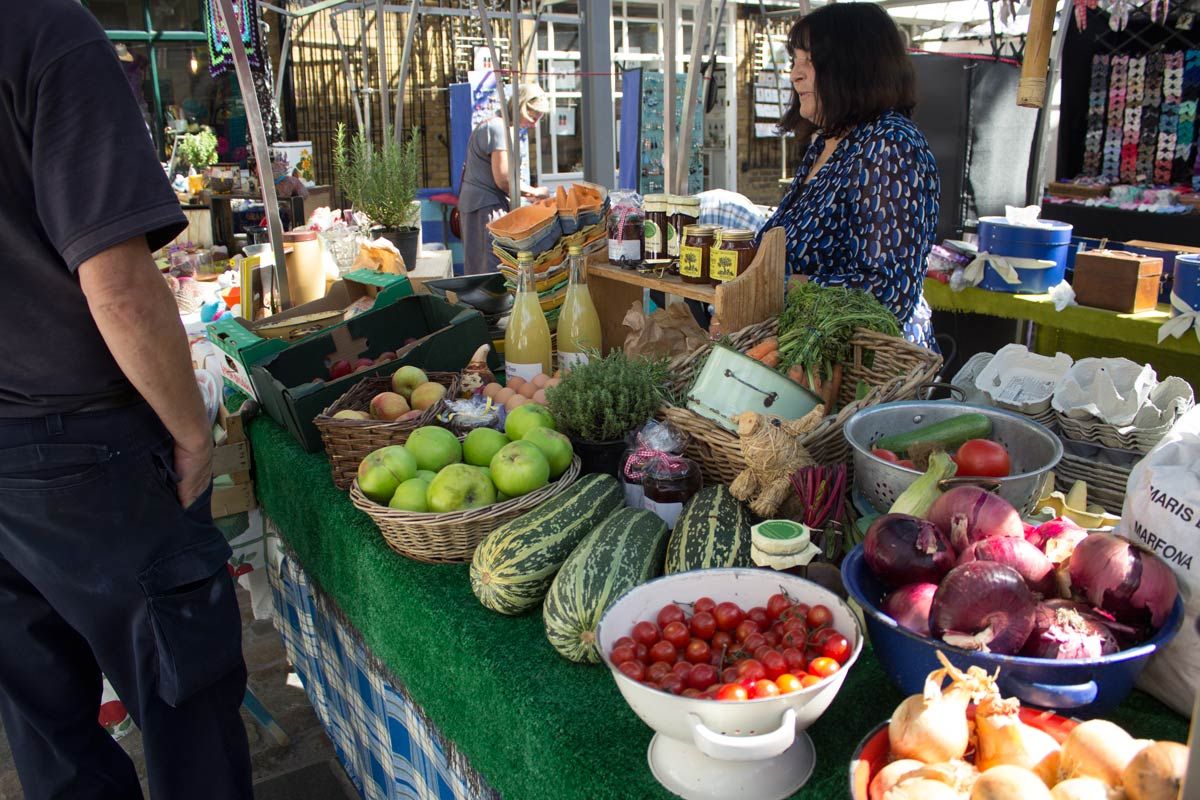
(1124, 579)
(968, 514)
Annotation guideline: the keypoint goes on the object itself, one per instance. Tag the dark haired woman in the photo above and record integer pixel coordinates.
(862, 211)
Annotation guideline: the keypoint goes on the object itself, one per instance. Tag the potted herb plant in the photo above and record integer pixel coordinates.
(600, 402)
(382, 183)
(198, 150)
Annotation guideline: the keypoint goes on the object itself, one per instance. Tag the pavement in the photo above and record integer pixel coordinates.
(304, 769)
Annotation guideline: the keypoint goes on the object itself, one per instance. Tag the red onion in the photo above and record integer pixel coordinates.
(1039, 536)
(1063, 629)
(902, 549)
(909, 606)
(983, 605)
(1124, 579)
(1031, 563)
(968, 514)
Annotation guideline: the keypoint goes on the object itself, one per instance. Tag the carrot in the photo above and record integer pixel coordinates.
(798, 375)
(762, 348)
(771, 359)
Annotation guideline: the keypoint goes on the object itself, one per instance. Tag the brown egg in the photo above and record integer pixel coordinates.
(503, 396)
(540, 380)
(540, 396)
(492, 389)
(515, 383)
(528, 389)
(550, 384)
(514, 401)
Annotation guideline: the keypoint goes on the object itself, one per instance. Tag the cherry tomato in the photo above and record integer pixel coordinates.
(732, 692)
(657, 671)
(668, 614)
(761, 652)
(729, 675)
(754, 642)
(795, 659)
(766, 688)
(751, 669)
(704, 605)
(836, 647)
(759, 615)
(774, 663)
(663, 651)
(795, 625)
(907, 464)
(794, 638)
(646, 632)
(633, 669)
(823, 666)
(809, 680)
(721, 640)
(698, 651)
(748, 685)
(701, 677)
(819, 617)
(744, 629)
(772, 637)
(711, 692)
(693, 693)
(777, 604)
(623, 640)
(787, 683)
(682, 669)
(728, 616)
(818, 637)
(886, 455)
(983, 458)
(624, 652)
(677, 633)
(672, 683)
(642, 653)
(797, 611)
(703, 625)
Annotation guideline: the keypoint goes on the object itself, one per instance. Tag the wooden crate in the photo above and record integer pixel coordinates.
(233, 459)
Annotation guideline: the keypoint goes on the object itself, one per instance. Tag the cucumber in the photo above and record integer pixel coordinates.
(949, 434)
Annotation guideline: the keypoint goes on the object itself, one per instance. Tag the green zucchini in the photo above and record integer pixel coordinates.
(948, 434)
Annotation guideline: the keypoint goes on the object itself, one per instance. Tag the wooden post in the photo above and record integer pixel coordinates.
(1031, 91)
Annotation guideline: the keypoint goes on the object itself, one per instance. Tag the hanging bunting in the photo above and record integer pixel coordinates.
(220, 51)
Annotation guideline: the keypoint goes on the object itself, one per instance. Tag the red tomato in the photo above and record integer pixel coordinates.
(729, 675)
(703, 625)
(701, 677)
(677, 633)
(642, 653)
(672, 683)
(698, 651)
(819, 617)
(983, 458)
(759, 615)
(748, 685)
(646, 632)
(744, 629)
(682, 669)
(777, 604)
(657, 671)
(663, 651)
(728, 616)
(624, 652)
(774, 663)
(693, 693)
(732, 691)
(809, 680)
(753, 642)
(836, 647)
(795, 625)
(788, 683)
(623, 640)
(823, 666)
(670, 613)
(772, 637)
(704, 605)
(795, 659)
(906, 463)
(886, 455)
(798, 611)
(766, 688)
(721, 640)
(633, 669)
(751, 669)
(795, 638)
(761, 652)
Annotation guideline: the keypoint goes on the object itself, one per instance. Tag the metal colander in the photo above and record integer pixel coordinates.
(1033, 450)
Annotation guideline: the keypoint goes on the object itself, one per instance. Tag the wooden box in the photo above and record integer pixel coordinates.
(1117, 281)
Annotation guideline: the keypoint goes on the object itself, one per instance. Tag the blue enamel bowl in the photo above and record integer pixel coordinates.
(1086, 687)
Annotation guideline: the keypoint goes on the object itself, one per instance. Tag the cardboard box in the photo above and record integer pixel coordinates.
(441, 338)
(247, 343)
(1117, 280)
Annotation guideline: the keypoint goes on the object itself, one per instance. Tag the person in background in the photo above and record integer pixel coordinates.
(109, 558)
(485, 182)
(862, 210)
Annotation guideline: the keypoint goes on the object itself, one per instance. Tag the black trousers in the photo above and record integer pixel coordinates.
(102, 570)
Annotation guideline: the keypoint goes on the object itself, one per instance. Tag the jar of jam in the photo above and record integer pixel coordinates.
(695, 252)
(655, 226)
(669, 482)
(731, 256)
(625, 236)
(684, 211)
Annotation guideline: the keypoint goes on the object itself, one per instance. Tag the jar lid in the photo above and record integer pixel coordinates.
(652, 204)
(686, 202)
(736, 235)
(699, 230)
(657, 198)
(304, 235)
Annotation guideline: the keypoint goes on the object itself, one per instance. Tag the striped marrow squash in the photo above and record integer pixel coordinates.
(713, 530)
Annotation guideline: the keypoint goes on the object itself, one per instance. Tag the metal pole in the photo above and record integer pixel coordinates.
(366, 72)
(283, 58)
(514, 191)
(596, 105)
(350, 82)
(414, 21)
(669, 60)
(514, 155)
(258, 137)
(1038, 166)
(381, 62)
(699, 42)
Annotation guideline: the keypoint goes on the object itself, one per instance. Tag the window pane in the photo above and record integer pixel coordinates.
(190, 93)
(135, 63)
(177, 15)
(122, 15)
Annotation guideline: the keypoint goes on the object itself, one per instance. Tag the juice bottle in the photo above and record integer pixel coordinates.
(578, 323)
(527, 339)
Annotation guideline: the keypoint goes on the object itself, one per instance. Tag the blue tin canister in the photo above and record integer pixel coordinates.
(1187, 282)
(1052, 243)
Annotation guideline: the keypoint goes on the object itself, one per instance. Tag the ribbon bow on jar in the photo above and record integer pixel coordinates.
(1185, 318)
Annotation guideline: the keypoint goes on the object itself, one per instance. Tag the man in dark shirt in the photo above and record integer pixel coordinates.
(109, 560)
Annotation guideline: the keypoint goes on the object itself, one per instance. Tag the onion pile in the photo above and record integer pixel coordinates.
(902, 549)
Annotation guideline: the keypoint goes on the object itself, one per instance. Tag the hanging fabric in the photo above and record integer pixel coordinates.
(220, 52)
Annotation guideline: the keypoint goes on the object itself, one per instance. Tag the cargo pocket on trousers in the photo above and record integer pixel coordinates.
(195, 619)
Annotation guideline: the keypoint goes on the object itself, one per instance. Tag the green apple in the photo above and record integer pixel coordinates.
(410, 496)
(426, 475)
(381, 472)
(520, 468)
(481, 444)
(501, 496)
(433, 447)
(524, 418)
(459, 487)
(554, 446)
(405, 379)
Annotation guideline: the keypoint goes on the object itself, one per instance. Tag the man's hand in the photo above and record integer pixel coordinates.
(194, 468)
(536, 192)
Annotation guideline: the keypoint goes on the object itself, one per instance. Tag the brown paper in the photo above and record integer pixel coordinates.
(670, 331)
(381, 256)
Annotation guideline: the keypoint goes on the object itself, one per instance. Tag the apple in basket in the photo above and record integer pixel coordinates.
(434, 447)
(388, 406)
(382, 472)
(520, 468)
(554, 446)
(525, 418)
(459, 487)
(407, 378)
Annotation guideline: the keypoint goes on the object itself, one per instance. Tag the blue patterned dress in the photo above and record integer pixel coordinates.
(868, 218)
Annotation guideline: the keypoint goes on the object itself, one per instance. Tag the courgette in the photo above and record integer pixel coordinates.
(947, 434)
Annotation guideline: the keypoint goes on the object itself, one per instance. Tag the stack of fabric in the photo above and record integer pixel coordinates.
(574, 216)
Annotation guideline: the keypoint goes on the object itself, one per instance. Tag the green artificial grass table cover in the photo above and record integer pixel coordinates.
(533, 724)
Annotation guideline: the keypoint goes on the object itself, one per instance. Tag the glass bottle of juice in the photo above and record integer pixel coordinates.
(527, 339)
(578, 323)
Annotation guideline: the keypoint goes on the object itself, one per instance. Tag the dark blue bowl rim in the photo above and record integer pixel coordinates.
(1164, 634)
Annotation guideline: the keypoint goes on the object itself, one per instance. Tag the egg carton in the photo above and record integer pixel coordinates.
(1168, 401)
(1106, 482)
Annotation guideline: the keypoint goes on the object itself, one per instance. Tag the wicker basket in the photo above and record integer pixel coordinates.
(451, 538)
(897, 372)
(349, 441)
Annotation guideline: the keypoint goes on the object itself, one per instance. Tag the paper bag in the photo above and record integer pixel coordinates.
(381, 256)
(669, 332)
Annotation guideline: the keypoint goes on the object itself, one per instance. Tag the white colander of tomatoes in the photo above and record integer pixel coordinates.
(729, 666)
